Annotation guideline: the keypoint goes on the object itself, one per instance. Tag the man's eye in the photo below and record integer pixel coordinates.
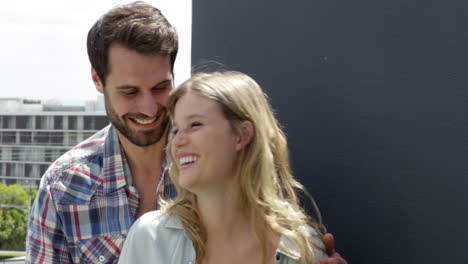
(129, 92)
(162, 87)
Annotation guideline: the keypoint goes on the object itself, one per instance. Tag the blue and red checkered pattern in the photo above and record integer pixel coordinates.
(85, 205)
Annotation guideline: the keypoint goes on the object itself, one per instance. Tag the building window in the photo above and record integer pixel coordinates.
(88, 122)
(7, 122)
(49, 155)
(73, 139)
(6, 153)
(10, 182)
(58, 122)
(25, 137)
(42, 169)
(56, 138)
(28, 170)
(72, 122)
(15, 154)
(87, 135)
(32, 155)
(37, 155)
(8, 169)
(41, 122)
(22, 122)
(42, 137)
(9, 137)
(100, 122)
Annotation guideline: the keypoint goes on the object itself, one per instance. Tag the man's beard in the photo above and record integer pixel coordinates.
(141, 139)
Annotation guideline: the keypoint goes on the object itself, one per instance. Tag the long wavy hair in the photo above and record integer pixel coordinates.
(268, 189)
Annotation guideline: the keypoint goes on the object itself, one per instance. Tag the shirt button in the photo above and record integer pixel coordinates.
(102, 258)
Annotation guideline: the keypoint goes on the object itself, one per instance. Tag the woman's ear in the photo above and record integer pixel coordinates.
(96, 80)
(246, 133)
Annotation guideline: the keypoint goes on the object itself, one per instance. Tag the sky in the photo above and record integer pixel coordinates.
(43, 46)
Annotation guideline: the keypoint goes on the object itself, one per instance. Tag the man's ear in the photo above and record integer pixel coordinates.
(246, 133)
(96, 80)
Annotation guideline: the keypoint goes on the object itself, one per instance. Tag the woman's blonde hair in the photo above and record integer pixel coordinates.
(267, 187)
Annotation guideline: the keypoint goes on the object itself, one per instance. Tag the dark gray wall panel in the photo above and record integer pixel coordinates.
(373, 96)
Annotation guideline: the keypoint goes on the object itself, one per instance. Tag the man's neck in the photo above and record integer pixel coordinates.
(143, 159)
(145, 167)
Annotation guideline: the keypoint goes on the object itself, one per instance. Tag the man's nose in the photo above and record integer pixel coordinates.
(148, 105)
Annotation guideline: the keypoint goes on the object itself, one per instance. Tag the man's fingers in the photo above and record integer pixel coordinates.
(333, 259)
(329, 242)
(339, 259)
(333, 256)
(326, 261)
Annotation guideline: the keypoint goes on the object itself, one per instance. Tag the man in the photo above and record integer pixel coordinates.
(89, 198)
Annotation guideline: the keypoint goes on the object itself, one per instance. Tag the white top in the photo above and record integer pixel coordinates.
(159, 237)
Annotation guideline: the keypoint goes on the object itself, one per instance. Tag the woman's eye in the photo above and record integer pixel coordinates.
(174, 131)
(195, 124)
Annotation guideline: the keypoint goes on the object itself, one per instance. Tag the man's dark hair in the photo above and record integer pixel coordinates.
(138, 26)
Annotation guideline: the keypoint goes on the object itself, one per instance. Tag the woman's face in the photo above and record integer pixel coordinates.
(204, 145)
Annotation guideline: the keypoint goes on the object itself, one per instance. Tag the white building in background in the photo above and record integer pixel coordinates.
(33, 134)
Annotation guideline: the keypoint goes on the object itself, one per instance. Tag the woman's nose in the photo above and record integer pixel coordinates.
(179, 139)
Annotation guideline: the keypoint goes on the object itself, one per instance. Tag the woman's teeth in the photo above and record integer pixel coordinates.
(188, 159)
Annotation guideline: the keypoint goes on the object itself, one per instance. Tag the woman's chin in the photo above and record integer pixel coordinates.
(187, 182)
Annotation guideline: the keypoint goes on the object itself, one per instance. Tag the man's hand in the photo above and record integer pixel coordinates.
(333, 256)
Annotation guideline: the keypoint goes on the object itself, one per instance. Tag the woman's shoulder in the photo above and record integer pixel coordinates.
(153, 218)
(290, 249)
(317, 242)
(155, 235)
(155, 222)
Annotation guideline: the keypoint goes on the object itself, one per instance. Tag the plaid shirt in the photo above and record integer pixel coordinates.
(86, 204)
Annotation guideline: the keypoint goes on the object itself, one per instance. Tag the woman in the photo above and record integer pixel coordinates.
(237, 199)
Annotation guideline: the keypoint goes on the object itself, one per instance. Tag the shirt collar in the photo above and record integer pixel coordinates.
(115, 168)
(116, 172)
